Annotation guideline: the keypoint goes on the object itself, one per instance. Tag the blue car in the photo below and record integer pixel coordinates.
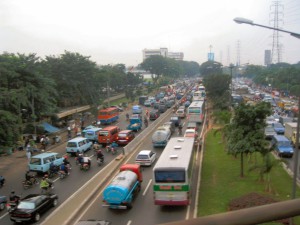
(282, 146)
(279, 128)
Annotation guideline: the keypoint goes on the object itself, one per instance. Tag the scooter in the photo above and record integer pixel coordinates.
(62, 174)
(11, 205)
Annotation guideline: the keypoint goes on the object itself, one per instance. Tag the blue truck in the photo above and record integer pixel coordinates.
(120, 192)
(136, 122)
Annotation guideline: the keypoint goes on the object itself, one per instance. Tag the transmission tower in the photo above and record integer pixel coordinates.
(238, 52)
(276, 16)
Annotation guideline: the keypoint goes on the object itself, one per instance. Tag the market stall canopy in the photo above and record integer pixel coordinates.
(49, 128)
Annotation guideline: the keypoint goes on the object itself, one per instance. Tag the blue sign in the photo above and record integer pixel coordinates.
(210, 56)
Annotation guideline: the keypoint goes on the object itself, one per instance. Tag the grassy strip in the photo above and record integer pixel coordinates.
(221, 181)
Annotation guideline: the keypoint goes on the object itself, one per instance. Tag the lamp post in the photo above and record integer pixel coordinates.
(241, 20)
(250, 22)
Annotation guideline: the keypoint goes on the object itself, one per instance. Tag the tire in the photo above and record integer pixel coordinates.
(37, 217)
(129, 206)
(55, 202)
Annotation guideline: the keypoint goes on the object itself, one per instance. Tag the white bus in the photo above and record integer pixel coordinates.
(198, 96)
(196, 111)
(172, 173)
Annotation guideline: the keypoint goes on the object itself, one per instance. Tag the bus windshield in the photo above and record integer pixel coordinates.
(194, 110)
(103, 133)
(170, 176)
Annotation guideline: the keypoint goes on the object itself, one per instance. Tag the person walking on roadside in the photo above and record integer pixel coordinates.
(28, 152)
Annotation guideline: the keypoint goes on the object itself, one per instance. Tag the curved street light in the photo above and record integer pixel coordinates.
(241, 20)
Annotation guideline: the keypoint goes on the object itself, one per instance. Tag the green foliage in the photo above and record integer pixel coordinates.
(217, 90)
(245, 133)
(10, 128)
(210, 68)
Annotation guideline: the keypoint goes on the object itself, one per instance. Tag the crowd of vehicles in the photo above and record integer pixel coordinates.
(121, 191)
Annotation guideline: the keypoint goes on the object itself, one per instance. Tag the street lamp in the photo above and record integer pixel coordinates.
(241, 20)
(250, 22)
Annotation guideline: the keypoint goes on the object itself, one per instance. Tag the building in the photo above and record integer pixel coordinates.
(163, 52)
(268, 57)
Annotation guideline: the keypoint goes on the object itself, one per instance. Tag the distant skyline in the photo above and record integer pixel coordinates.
(117, 31)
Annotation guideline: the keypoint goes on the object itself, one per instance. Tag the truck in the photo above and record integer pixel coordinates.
(120, 193)
(136, 122)
(161, 136)
(291, 131)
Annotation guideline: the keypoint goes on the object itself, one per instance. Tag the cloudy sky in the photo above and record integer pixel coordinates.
(116, 31)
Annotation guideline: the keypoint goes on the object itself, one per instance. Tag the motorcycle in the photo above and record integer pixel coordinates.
(62, 174)
(2, 181)
(84, 166)
(11, 205)
(53, 171)
(30, 183)
(100, 161)
(111, 149)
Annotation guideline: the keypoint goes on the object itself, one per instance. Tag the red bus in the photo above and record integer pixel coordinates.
(108, 115)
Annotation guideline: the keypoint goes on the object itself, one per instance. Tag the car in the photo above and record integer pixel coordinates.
(269, 132)
(279, 128)
(180, 113)
(145, 158)
(125, 136)
(32, 206)
(270, 120)
(191, 133)
(3, 201)
(147, 103)
(153, 115)
(162, 108)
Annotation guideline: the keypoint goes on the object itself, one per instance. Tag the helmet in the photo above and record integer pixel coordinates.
(65, 156)
(46, 175)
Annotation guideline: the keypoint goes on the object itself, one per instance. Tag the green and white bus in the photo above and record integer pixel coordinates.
(172, 173)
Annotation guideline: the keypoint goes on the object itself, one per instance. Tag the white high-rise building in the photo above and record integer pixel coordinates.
(163, 52)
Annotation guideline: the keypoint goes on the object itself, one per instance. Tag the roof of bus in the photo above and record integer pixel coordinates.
(196, 104)
(108, 109)
(176, 154)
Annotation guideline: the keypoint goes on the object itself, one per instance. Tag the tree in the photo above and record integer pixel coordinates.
(245, 134)
(156, 65)
(210, 67)
(217, 90)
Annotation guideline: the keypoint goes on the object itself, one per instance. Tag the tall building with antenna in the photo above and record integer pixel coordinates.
(276, 20)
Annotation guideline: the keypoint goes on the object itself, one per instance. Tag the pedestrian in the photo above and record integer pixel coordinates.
(28, 152)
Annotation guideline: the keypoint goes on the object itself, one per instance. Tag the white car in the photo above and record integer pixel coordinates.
(145, 158)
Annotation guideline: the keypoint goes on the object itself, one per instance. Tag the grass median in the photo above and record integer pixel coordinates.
(221, 181)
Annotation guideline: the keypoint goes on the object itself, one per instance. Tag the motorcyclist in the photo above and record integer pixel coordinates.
(146, 122)
(100, 155)
(13, 197)
(29, 177)
(2, 181)
(86, 160)
(44, 185)
(180, 129)
(66, 161)
(64, 168)
(80, 158)
(49, 181)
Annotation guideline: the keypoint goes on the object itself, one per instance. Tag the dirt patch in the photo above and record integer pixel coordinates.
(252, 200)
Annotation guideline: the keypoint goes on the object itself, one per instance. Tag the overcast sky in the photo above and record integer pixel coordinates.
(116, 31)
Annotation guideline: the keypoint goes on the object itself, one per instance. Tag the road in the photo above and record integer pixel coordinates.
(144, 211)
(65, 188)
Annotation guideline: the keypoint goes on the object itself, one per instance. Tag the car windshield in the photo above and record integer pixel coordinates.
(26, 205)
(72, 144)
(103, 133)
(278, 125)
(142, 157)
(284, 144)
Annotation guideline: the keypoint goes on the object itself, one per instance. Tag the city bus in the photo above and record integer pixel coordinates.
(173, 172)
(198, 96)
(108, 115)
(196, 111)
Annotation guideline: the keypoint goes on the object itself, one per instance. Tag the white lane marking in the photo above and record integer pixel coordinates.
(5, 214)
(148, 185)
(129, 222)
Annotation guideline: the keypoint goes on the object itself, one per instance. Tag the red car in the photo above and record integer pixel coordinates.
(125, 136)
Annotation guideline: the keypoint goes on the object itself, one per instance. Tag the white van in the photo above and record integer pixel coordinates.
(78, 144)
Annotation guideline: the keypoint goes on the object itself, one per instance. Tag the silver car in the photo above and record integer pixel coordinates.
(269, 132)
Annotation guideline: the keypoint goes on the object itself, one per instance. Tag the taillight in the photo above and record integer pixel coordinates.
(127, 138)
